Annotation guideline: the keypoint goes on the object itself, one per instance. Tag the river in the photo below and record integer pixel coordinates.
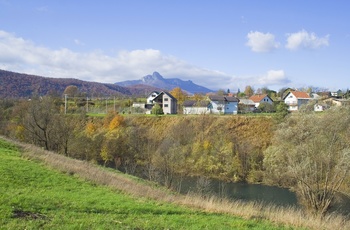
(240, 191)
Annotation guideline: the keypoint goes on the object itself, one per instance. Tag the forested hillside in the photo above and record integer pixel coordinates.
(16, 85)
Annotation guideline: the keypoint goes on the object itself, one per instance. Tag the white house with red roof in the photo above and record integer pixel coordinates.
(295, 99)
(261, 98)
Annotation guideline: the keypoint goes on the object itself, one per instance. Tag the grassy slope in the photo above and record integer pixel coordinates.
(33, 196)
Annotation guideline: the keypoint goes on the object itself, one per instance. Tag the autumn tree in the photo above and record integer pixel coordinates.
(71, 91)
(88, 139)
(180, 96)
(311, 154)
(198, 97)
(249, 91)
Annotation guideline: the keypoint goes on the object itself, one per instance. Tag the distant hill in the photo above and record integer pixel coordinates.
(18, 85)
(142, 90)
(156, 80)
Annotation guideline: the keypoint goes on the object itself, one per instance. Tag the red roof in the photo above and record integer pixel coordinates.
(258, 97)
(299, 94)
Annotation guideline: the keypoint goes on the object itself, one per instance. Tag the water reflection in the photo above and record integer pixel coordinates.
(240, 191)
(254, 193)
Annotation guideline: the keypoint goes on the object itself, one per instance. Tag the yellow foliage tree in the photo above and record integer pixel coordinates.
(90, 129)
(179, 95)
(105, 154)
(115, 122)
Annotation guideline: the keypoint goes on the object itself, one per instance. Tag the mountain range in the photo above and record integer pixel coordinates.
(158, 81)
(20, 85)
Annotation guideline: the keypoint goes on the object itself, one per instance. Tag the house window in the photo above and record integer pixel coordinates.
(166, 99)
(166, 105)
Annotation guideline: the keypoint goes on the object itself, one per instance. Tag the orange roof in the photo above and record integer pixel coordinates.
(299, 94)
(258, 97)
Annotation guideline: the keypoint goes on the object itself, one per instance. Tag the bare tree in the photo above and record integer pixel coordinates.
(311, 154)
(39, 122)
(45, 126)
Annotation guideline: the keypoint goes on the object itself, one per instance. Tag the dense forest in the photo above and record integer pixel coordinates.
(308, 152)
(16, 85)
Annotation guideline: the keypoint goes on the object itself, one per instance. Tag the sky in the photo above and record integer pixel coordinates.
(219, 44)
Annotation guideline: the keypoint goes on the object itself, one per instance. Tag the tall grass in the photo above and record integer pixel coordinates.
(291, 217)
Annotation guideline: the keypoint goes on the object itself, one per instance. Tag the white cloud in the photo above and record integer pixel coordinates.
(272, 78)
(260, 42)
(18, 54)
(306, 40)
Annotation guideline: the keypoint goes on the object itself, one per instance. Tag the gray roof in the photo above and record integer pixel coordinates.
(246, 102)
(194, 103)
(223, 98)
(163, 92)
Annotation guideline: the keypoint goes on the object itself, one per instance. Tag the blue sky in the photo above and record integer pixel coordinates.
(218, 44)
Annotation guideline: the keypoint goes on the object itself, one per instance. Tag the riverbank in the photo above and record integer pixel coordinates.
(198, 209)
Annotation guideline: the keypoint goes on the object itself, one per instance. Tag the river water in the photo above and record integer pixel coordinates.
(253, 193)
(240, 191)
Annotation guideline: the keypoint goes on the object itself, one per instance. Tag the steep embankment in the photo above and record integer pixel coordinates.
(45, 190)
(223, 147)
(34, 196)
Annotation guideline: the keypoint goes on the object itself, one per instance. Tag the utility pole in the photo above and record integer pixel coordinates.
(106, 106)
(114, 103)
(65, 104)
(87, 104)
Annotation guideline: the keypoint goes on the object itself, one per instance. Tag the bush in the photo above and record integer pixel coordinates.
(157, 109)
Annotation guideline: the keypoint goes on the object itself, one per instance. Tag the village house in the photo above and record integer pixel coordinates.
(165, 100)
(223, 104)
(337, 102)
(261, 98)
(151, 97)
(246, 105)
(295, 99)
(319, 107)
(214, 105)
(196, 107)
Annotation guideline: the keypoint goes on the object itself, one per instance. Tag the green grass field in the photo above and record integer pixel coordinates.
(34, 196)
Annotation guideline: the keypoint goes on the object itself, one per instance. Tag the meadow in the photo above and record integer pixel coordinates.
(34, 195)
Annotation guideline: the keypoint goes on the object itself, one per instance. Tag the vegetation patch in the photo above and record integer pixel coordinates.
(17, 213)
(35, 197)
